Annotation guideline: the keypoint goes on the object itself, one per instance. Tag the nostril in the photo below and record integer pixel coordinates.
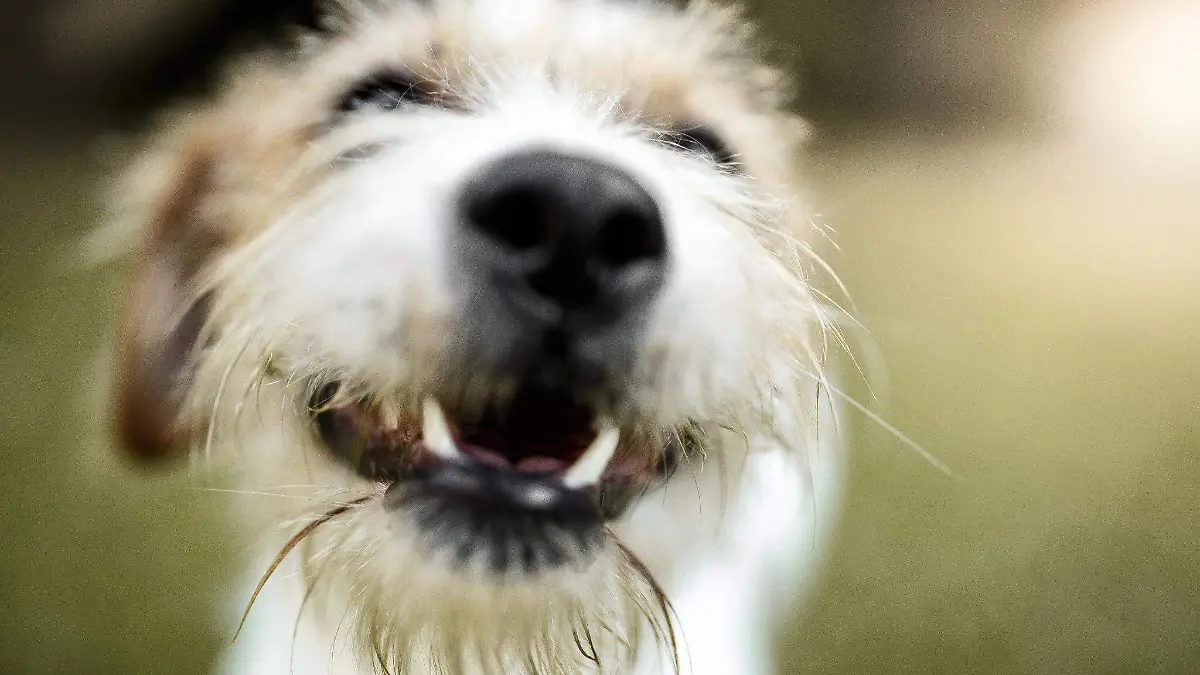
(630, 235)
(517, 217)
(561, 239)
(565, 284)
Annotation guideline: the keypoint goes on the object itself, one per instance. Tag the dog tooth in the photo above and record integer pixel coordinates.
(590, 466)
(389, 413)
(435, 431)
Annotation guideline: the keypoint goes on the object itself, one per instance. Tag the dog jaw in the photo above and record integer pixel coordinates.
(327, 261)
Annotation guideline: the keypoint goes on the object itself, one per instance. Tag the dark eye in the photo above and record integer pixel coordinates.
(702, 140)
(386, 91)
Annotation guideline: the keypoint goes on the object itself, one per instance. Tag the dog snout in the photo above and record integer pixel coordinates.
(566, 242)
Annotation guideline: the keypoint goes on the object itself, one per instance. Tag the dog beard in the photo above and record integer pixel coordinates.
(409, 613)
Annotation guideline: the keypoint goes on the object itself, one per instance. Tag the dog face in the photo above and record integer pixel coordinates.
(483, 274)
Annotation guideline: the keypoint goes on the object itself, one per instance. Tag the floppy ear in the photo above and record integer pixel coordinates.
(168, 199)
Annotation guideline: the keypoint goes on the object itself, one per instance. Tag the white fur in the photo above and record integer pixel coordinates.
(338, 279)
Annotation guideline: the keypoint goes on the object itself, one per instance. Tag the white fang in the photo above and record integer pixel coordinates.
(435, 432)
(590, 466)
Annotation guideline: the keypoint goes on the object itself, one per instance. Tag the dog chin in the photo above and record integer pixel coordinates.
(529, 593)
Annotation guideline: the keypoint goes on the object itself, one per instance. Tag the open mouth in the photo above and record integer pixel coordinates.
(528, 485)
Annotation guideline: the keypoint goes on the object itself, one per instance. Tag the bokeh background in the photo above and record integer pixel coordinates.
(1015, 187)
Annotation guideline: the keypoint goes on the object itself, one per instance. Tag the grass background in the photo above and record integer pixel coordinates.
(1037, 305)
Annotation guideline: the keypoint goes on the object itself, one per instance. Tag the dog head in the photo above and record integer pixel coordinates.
(483, 274)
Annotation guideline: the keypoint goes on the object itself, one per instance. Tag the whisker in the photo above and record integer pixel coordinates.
(666, 630)
(308, 591)
(891, 429)
(287, 548)
(257, 493)
(216, 406)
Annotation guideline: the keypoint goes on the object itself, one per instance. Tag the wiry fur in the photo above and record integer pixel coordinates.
(328, 264)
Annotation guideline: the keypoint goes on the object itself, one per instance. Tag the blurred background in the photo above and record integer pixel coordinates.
(1015, 186)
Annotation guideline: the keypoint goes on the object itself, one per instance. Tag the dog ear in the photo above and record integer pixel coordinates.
(168, 200)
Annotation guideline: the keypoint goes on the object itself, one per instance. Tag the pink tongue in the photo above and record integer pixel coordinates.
(525, 465)
(490, 457)
(542, 465)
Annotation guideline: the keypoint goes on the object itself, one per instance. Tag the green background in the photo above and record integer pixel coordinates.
(1038, 311)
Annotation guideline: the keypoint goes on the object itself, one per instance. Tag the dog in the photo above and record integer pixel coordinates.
(500, 312)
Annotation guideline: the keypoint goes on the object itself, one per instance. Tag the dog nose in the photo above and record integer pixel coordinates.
(565, 241)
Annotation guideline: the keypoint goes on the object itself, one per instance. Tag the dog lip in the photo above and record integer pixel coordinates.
(510, 521)
(491, 481)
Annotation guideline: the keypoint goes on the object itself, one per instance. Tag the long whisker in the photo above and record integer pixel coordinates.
(287, 548)
(887, 426)
(255, 493)
(665, 629)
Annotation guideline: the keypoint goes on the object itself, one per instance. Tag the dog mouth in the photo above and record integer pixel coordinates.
(526, 485)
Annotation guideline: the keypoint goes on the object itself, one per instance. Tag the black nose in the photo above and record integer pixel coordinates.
(565, 241)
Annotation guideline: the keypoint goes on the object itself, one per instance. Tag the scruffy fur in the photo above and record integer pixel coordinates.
(285, 246)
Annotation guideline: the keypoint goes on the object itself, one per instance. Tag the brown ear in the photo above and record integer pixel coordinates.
(169, 199)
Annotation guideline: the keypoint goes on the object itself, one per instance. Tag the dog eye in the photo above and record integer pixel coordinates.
(702, 140)
(386, 92)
